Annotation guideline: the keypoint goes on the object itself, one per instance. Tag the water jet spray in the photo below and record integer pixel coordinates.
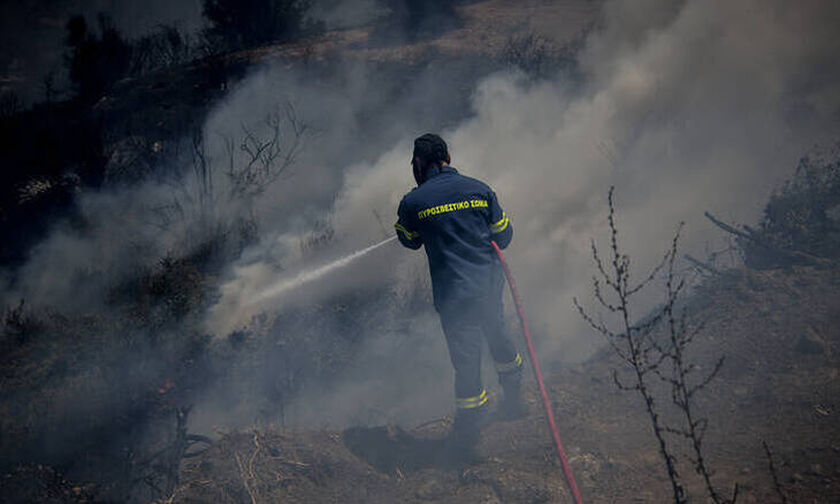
(306, 276)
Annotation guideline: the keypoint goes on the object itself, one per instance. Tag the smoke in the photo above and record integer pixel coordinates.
(271, 291)
(685, 107)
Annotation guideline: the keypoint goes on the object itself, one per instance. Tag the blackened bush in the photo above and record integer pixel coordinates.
(247, 23)
(17, 327)
(10, 104)
(96, 62)
(803, 216)
(418, 17)
(165, 47)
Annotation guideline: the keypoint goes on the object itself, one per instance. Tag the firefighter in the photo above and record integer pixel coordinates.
(454, 218)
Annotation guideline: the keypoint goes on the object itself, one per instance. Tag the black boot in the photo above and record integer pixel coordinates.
(462, 443)
(511, 406)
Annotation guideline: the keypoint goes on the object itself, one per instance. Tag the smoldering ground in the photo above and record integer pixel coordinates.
(684, 107)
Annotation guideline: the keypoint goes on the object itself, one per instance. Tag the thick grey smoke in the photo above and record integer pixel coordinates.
(686, 107)
(706, 107)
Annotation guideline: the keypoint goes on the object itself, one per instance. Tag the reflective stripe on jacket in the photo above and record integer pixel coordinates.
(455, 217)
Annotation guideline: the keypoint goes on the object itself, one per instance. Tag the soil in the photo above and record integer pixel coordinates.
(777, 331)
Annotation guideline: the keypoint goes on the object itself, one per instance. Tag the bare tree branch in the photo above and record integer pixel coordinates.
(772, 468)
(633, 343)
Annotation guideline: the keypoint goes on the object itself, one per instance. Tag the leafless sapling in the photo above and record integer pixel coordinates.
(632, 341)
(648, 354)
(264, 159)
(212, 193)
(775, 475)
(684, 385)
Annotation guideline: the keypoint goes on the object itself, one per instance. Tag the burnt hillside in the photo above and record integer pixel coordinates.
(105, 358)
(201, 295)
(777, 331)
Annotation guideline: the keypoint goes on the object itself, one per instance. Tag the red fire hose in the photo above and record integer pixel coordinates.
(567, 470)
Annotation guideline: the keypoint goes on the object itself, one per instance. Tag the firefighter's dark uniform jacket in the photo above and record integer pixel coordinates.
(455, 217)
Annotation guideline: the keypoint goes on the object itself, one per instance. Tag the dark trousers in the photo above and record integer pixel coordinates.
(465, 324)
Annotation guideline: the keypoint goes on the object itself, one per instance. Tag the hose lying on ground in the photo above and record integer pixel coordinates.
(567, 470)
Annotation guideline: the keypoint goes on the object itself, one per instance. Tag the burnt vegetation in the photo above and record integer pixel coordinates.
(96, 61)
(104, 395)
(242, 24)
(538, 57)
(801, 221)
(417, 20)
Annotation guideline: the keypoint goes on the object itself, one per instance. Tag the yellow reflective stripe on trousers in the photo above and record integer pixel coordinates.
(472, 402)
(500, 226)
(504, 367)
(408, 234)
